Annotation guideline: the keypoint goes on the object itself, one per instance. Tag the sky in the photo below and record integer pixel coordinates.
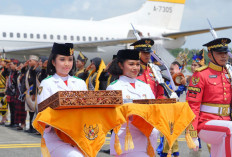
(195, 13)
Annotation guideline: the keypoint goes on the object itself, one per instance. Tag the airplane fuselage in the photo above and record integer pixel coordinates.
(21, 32)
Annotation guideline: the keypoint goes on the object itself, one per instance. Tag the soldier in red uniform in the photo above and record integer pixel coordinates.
(209, 96)
(144, 46)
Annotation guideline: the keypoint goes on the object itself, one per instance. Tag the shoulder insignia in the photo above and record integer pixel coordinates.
(48, 77)
(141, 81)
(40, 89)
(77, 78)
(113, 82)
(202, 68)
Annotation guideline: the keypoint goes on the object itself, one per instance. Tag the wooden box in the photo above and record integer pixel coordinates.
(155, 101)
(82, 99)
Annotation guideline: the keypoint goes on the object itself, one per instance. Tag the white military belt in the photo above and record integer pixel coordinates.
(218, 109)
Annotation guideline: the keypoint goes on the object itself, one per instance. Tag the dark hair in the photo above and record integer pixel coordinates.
(51, 70)
(114, 68)
(176, 63)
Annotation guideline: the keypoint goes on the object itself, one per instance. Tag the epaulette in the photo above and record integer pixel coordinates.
(113, 82)
(140, 80)
(202, 68)
(77, 78)
(48, 77)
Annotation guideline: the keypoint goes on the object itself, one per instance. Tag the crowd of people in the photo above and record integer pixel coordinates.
(208, 92)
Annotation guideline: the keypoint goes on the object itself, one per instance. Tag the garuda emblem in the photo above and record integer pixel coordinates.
(147, 41)
(224, 42)
(91, 132)
(171, 127)
(71, 51)
(195, 80)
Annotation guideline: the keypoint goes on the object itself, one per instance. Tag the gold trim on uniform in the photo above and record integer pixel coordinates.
(216, 46)
(142, 45)
(215, 67)
(223, 109)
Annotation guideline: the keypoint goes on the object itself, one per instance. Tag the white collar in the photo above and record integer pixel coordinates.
(127, 79)
(59, 78)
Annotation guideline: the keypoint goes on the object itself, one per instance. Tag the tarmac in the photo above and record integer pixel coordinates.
(14, 143)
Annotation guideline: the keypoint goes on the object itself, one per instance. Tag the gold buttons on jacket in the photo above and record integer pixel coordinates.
(225, 99)
(214, 83)
(224, 93)
(223, 83)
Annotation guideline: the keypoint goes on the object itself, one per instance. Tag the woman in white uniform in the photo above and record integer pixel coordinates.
(127, 65)
(61, 67)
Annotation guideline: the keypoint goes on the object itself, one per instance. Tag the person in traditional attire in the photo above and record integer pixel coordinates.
(198, 60)
(127, 68)
(43, 73)
(80, 64)
(209, 96)
(97, 65)
(3, 101)
(106, 77)
(61, 67)
(20, 113)
(30, 71)
(11, 92)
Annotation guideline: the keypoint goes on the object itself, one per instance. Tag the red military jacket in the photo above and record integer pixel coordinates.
(209, 84)
(148, 77)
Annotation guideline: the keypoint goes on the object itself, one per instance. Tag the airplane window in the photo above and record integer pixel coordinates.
(107, 38)
(95, 38)
(18, 35)
(72, 38)
(58, 37)
(25, 35)
(38, 36)
(101, 38)
(11, 35)
(51, 36)
(78, 38)
(90, 39)
(84, 38)
(31, 36)
(65, 37)
(45, 36)
(4, 34)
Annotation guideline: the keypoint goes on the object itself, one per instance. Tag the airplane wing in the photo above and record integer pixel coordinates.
(88, 44)
(188, 33)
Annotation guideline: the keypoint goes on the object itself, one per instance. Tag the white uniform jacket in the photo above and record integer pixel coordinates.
(48, 87)
(141, 91)
(53, 84)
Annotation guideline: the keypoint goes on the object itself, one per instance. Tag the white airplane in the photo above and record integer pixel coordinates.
(157, 19)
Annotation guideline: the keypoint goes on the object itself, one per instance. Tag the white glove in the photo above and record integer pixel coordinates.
(174, 95)
(195, 140)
